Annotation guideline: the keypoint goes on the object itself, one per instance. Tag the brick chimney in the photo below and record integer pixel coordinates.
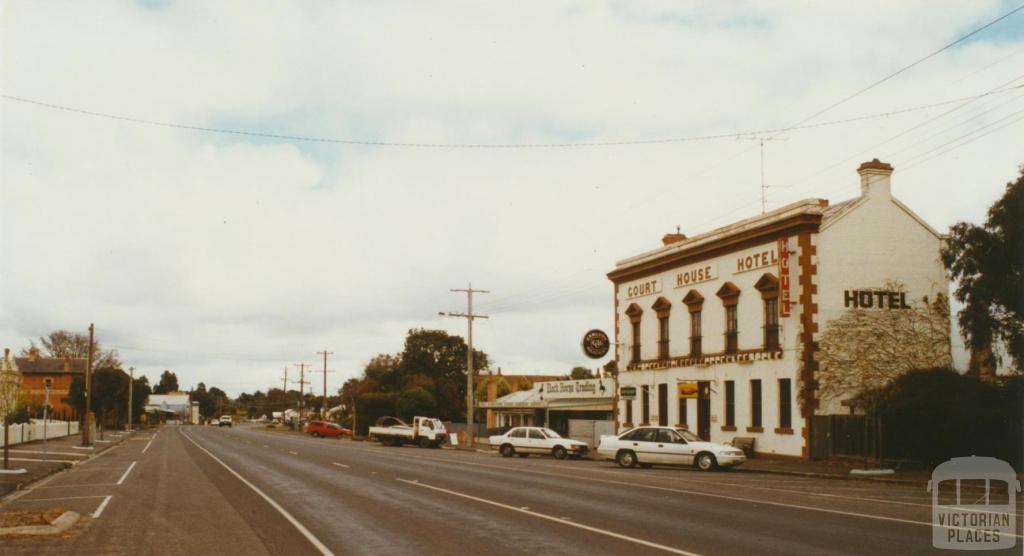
(33, 353)
(67, 363)
(874, 179)
(669, 239)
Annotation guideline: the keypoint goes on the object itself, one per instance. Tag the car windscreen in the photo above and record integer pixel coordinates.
(550, 433)
(688, 436)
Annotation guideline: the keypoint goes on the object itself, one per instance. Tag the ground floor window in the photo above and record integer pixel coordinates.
(755, 403)
(629, 411)
(682, 411)
(730, 403)
(785, 404)
(646, 405)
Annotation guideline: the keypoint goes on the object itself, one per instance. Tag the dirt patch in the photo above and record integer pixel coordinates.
(17, 519)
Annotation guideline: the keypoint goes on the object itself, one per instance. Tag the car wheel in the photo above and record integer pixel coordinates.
(425, 442)
(559, 452)
(523, 455)
(315, 434)
(507, 451)
(706, 462)
(626, 459)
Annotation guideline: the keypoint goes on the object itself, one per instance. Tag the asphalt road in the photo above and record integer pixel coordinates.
(251, 491)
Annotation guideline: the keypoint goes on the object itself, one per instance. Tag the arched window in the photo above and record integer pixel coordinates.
(695, 304)
(768, 285)
(662, 307)
(730, 296)
(634, 312)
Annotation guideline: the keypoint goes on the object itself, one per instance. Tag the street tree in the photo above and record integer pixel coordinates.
(140, 391)
(109, 393)
(61, 343)
(11, 400)
(987, 262)
(442, 358)
(168, 383)
(415, 401)
(580, 373)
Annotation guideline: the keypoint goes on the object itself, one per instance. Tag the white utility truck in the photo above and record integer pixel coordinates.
(424, 431)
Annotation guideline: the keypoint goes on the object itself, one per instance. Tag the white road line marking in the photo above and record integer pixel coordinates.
(71, 461)
(293, 453)
(77, 485)
(103, 506)
(62, 498)
(340, 464)
(83, 447)
(707, 494)
(148, 443)
(76, 454)
(302, 528)
(562, 520)
(126, 472)
(265, 446)
(99, 455)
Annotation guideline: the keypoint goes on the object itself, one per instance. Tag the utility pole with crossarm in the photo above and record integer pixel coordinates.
(469, 316)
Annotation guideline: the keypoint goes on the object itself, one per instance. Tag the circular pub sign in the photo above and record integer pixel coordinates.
(596, 344)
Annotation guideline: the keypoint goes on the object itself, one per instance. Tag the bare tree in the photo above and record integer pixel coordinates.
(865, 349)
(64, 342)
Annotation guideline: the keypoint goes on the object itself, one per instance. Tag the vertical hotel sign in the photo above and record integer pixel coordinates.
(785, 304)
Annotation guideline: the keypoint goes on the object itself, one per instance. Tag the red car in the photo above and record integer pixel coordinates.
(322, 428)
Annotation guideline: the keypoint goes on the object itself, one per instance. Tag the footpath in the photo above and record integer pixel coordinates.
(41, 460)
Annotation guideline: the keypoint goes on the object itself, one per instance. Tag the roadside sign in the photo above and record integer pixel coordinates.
(687, 390)
(627, 392)
(596, 344)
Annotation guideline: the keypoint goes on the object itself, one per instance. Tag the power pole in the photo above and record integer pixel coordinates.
(302, 387)
(87, 429)
(323, 405)
(131, 386)
(469, 316)
(285, 386)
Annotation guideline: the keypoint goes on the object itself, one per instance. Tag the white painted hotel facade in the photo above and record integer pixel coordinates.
(738, 312)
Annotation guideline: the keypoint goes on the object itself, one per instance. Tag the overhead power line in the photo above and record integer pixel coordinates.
(911, 65)
(667, 140)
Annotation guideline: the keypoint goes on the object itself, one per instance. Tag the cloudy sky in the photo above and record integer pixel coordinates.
(227, 257)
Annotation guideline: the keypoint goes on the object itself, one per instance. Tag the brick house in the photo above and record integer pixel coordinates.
(62, 370)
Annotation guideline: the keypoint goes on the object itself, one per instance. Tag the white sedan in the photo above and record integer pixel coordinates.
(523, 441)
(646, 446)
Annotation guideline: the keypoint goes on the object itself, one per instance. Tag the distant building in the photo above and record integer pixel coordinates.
(175, 406)
(765, 327)
(516, 382)
(62, 371)
(553, 404)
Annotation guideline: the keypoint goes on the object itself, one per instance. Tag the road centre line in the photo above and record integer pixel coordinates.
(103, 506)
(561, 520)
(340, 465)
(126, 472)
(293, 453)
(151, 439)
(302, 528)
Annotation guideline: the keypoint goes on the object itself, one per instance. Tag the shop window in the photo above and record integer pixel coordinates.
(682, 411)
(785, 404)
(730, 296)
(755, 404)
(730, 403)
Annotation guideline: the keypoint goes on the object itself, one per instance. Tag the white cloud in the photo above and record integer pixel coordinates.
(225, 257)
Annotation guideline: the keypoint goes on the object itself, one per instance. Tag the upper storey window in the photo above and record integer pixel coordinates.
(768, 285)
(662, 308)
(730, 296)
(634, 312)
(694, 303)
